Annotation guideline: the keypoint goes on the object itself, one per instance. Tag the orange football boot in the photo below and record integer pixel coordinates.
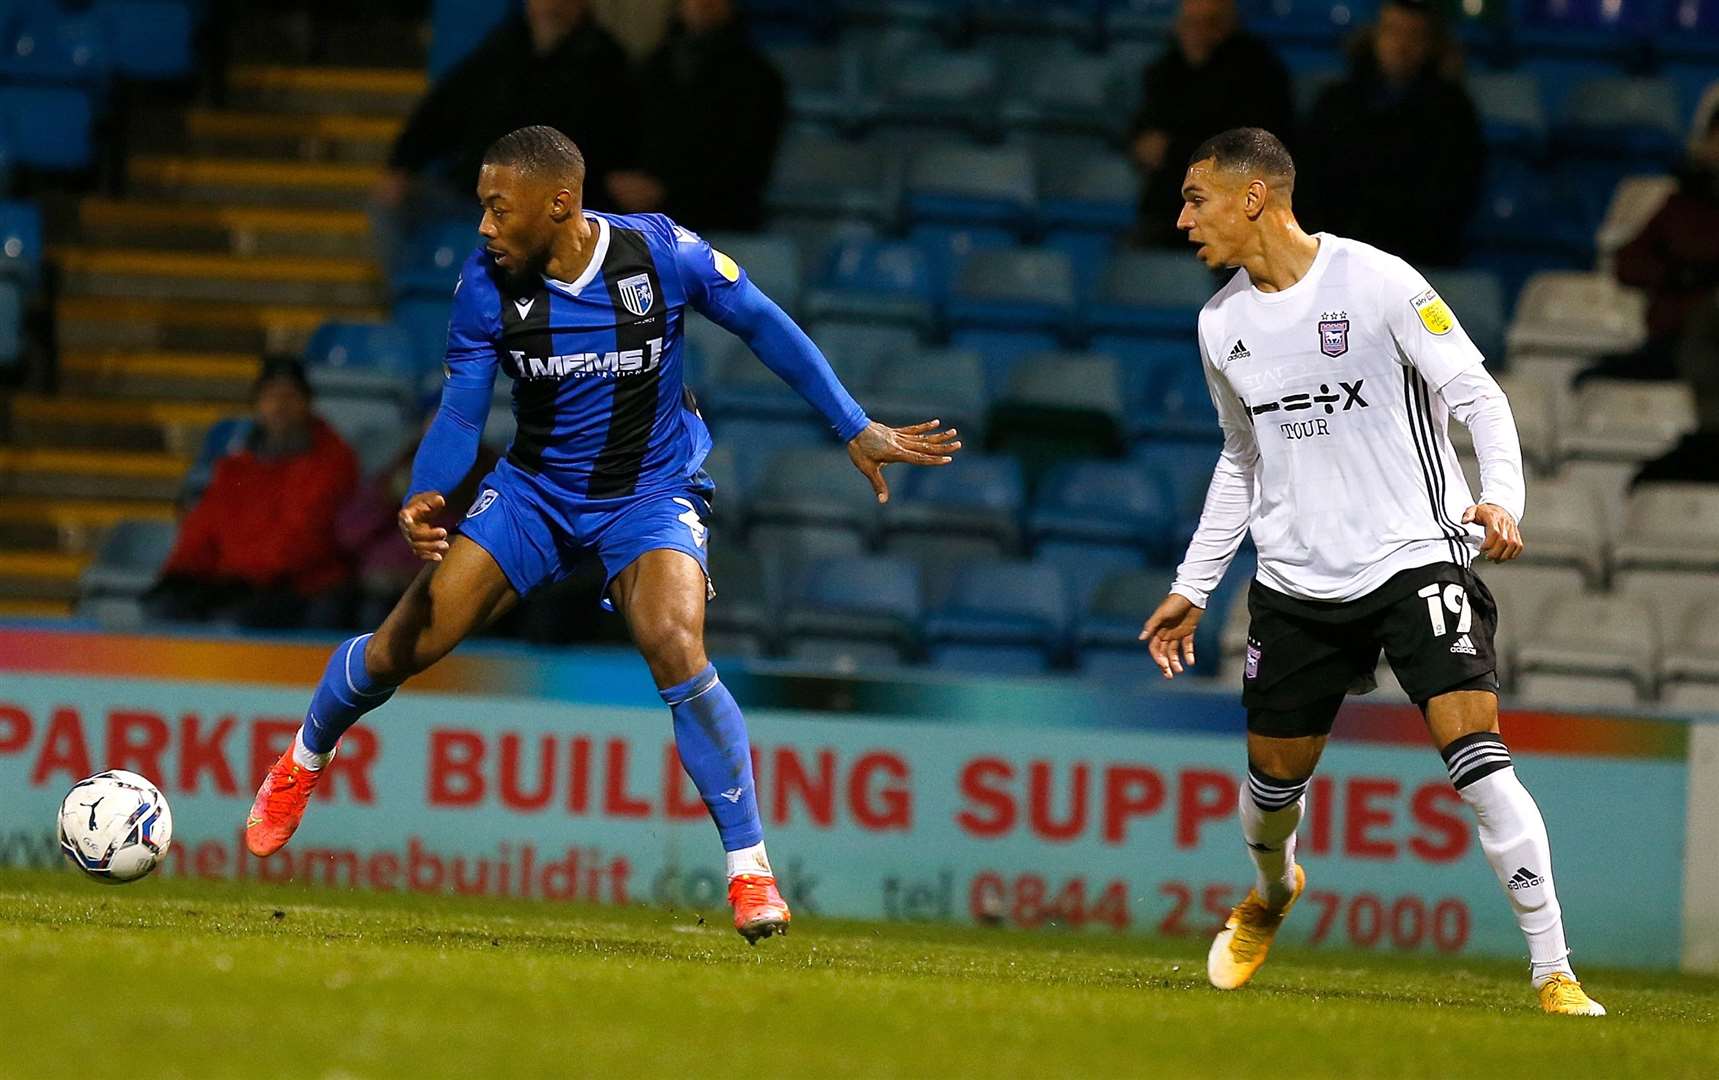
(759, 909)
(279, 806)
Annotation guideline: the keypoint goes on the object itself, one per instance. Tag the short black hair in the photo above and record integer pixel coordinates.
(1250, 150)
(542, 151)
(282, 366)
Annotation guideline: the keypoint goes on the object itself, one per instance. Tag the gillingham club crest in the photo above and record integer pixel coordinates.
(1333, 336)
(636, 293)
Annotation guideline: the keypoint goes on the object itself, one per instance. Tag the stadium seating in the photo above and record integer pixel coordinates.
(1594, 635)
(1671, 526)
(1002, 617)
(1628, 420)
(974, 496)
(870, 600)
(1576, 314)
(876, 281)
(815, 488)
(823, 176)
(961, 185)
(21, 242)
(1634, 202)
(773, 264)
(945, 384)
(148, 39)
(128, 561)
(11, 326)
(365, 360)
(1105, 502)
(944, 89)
(48, 127)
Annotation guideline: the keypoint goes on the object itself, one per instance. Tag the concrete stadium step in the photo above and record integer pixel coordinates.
(177, 427)
(314, 137)
(115, 373)
(90, 323)
(74, 526)
(252, 231)
(348, 90)
(40, 575)
(138, 273)
(272, 183)
(91, 474)
(36, 609)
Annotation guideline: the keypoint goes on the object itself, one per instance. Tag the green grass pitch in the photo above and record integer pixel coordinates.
(191, 979)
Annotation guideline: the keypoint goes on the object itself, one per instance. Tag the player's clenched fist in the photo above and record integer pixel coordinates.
(1503, 540)
(1169, 634)
(428, 542)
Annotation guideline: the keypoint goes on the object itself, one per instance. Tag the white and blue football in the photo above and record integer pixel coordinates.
(115, 826)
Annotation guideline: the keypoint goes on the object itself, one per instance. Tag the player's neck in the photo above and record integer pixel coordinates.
(1282, 257)
(571, 252)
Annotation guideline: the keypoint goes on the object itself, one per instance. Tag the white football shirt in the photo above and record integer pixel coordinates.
(1336, 454)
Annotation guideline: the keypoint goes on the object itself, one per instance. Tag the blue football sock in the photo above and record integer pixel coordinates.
(710, 734)
(345, 693)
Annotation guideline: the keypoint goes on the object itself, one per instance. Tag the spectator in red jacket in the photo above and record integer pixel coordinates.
(259, 547)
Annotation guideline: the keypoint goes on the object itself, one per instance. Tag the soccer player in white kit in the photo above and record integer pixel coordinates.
(1335, 368)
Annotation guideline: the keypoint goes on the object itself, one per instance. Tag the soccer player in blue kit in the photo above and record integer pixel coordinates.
(585, 311)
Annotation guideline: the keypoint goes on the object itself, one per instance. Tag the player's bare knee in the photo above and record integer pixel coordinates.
(674, 651)
(1456, 713)
(387, 658)
(1285, 759)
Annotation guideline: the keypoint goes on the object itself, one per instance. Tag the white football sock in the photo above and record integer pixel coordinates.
(1513, 836)
(306, 757)
(750, 860)
(1270, 811)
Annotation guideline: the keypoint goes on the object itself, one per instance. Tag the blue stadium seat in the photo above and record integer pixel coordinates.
(429, 260)
(1601, 29)
(1059, 91)
(728, 507)
(870, 599)
(1512, 115)
(1150, 293)
(756, 442)
(1025, 289)
(1530, 220)
(947, 246)
(879, 281)
(376, 430)
(1306, 21)
(815, 486)
(1004, 604)
(1097, 191)
(736, 383)
(1107, 634)
(129, 559)
(746, 592)
(1036, 20)
(818, 175)
(1689, 31)
(46, 45)
(1084, 563)
(944, 90)
(1139, 20)
(1477, 298)
(1622, 118)
(1178, 405)
(148, 39)
(48, 127)
(11, 325)
(857, 349)
(948, 384)
(21, 241)
(1110, 502)
(823, 83)
(1063, 383)
(425, 321)
(976, 495)
(1183, 470)
(365, 360)
(456, 27)
(972, 186)
(772, 262)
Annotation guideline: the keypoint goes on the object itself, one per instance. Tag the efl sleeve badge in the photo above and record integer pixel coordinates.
(1435, 316)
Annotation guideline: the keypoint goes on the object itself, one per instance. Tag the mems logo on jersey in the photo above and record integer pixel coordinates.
(579, 365)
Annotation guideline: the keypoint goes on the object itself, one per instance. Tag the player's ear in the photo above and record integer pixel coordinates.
(1254, 199)
(563, 206)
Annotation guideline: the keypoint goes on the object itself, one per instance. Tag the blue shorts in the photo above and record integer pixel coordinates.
(538, 535)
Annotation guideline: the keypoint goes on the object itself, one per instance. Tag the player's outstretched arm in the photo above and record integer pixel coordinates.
(1169, 634)
(878, 445)
(427, 541)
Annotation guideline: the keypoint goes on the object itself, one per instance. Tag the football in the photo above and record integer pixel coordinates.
(115, 826)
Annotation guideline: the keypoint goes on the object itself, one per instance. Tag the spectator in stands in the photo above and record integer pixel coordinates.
(550, 64)
(259, 547)
(1676, 259)
(710, 114)
(1214, 76)
(367, 529)
(1392, 154)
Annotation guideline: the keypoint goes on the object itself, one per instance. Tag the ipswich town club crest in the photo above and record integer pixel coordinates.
(636, 293)
(1334, 336)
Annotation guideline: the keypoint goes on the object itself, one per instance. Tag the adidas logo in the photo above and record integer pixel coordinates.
(1524, 878)
(1463, 645)
(1240, 351)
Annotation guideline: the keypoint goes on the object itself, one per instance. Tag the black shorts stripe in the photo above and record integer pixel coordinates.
(1421, 434)
(633, 408)
(1423, 391)
(533, 399)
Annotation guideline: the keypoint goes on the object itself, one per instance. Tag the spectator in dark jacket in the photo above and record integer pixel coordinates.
(1392, 154)
(552, 64)
(710, 113)
(259, 546)
(1214, 76)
